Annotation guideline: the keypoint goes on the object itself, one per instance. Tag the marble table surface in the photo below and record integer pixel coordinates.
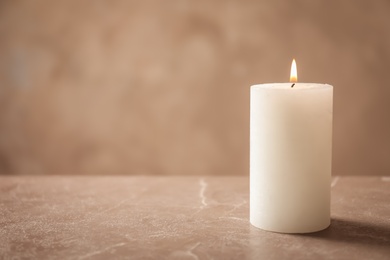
(124, 217)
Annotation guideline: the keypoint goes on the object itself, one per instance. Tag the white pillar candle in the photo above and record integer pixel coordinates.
(290, 156)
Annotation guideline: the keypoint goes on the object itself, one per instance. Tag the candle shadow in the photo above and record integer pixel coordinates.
(349, 231)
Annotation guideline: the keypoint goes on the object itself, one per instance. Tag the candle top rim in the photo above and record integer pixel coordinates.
(297, 86)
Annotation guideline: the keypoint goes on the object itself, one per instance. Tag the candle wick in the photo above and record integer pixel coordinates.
(293, 85)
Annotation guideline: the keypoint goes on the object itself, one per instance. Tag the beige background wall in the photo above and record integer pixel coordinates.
(162, 87)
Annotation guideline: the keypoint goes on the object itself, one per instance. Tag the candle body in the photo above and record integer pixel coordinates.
(290, 156)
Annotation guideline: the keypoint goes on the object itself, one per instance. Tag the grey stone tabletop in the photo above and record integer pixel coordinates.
(121, 217)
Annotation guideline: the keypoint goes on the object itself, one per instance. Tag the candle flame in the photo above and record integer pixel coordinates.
(293, 73)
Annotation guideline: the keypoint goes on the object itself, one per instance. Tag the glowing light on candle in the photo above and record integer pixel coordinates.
(293, 73)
